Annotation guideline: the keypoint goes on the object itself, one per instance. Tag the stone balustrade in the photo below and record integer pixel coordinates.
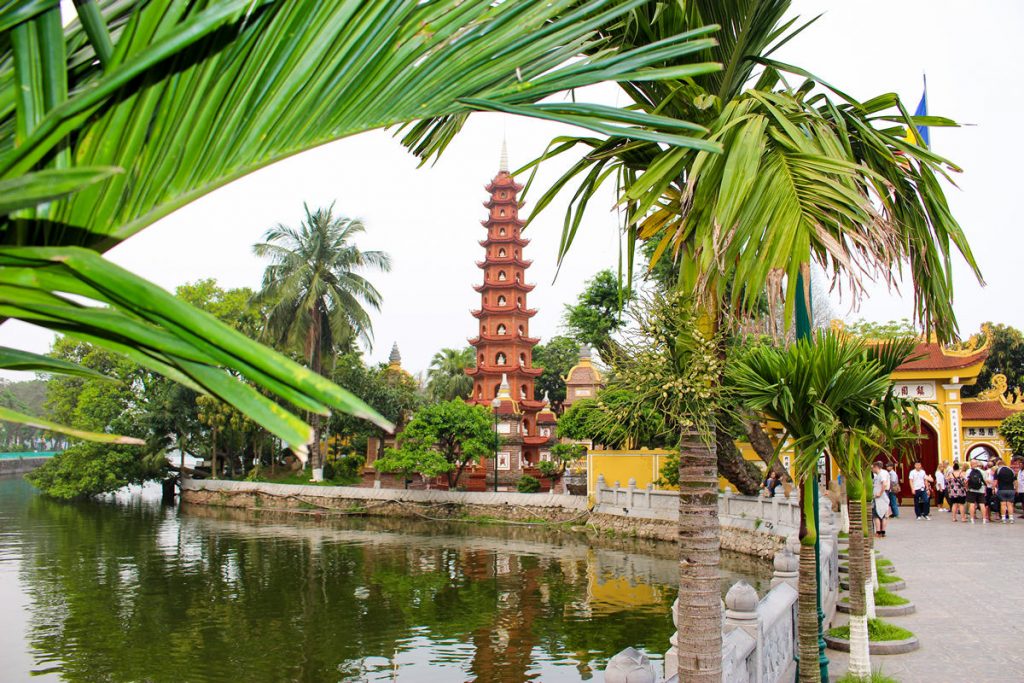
(778, 515)
(759, 635)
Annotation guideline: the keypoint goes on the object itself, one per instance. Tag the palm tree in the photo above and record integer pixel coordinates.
(447, 378)
(316, 294)
(118, 116)
(805, 174)
(868, 431)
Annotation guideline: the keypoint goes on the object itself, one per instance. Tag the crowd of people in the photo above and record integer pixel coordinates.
(985, 491)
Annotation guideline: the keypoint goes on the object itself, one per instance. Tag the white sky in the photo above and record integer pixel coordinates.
(428, 218)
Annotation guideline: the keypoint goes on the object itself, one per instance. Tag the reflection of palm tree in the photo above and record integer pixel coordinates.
(317, 297)
(447, 378)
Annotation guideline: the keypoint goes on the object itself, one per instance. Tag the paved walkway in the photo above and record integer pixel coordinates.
(967, 582)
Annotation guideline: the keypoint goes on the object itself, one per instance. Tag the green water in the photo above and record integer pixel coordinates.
(127, 590)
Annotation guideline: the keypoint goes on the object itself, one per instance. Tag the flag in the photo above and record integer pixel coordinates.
(922, 110)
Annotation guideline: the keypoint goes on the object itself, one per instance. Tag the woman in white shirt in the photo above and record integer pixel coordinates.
(940, 486)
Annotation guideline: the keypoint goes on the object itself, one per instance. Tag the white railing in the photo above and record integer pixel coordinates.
(778, 515)
(759, 636)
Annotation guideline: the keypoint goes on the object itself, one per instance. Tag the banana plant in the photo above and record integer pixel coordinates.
(117, 116)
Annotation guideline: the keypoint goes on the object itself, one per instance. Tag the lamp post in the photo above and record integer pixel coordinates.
(495, 404)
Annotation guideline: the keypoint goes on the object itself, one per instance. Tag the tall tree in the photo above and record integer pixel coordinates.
(447, 378)
(557, 357)
(805, 173)
(1005, 357)
(317, 295)
(597, 313)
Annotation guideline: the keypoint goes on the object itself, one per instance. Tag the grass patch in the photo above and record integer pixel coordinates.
(888, 578)
(883, 562)
(876, 677)
(843, 534)
(878, 631)
(302, 478)
(884, 598)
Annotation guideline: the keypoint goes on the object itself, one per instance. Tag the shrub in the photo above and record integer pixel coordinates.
(328, 471)
(528, 484)
(878, 630)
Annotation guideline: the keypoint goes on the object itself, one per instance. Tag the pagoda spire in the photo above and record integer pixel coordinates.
(503, 161)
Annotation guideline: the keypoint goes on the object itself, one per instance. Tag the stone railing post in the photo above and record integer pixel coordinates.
(672, 656)
(778, 500)
(601, 484)
(727, 501)
(741, 608)
(650, 496)
(630, 666)
(631, 484)
(787, 568)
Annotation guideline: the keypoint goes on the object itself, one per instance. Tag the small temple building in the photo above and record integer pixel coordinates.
(584, 379)
(503, 377)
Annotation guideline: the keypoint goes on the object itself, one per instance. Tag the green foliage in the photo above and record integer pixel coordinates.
(888, 578)
(876, 677)
(447, 378)
(557, 357)
(314, 286)
(886, 598)
(878, 630)
(1005, 357)
(527, 484)
(597, 314)
(151, 77)
(549, 468)
(669, 471)
(89, 469)
(392, 393)
(887, 330)
(615, 418)
(1012, 430)
(442, 438)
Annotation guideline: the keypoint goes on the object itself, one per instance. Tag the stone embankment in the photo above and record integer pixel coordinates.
(326, 501)
(20, 465)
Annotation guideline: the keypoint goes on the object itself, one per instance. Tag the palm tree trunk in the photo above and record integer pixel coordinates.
(860, 660)
(700, 603)
(213, 453)
(807, 588)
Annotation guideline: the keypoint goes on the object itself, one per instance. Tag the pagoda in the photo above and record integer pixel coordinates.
(504, 373)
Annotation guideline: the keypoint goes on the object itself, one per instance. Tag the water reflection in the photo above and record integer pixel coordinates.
(127, 590)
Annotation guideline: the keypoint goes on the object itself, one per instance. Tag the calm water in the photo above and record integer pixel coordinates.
(126, 590)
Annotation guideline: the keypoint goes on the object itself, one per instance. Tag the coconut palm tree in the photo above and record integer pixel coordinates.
(117, 116)
(316, 292)
(447, 378)
(806, 173)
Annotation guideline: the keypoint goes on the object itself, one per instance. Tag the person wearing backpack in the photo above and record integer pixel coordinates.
(1006, 480)
(919, 481)
(976, 492)
(894, 490)
(956, 490)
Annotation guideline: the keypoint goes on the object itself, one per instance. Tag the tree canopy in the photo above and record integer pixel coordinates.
(557, 357)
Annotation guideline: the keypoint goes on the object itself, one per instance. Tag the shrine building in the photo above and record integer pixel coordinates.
(503, 377)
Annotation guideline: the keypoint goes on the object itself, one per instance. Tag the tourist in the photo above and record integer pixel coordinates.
(976, 492)
(919, 480)
(956, 492)
(1006, 484)
(986, 471)
(1017, 463)
(880, 494)
(770, 483)
(894, 490)
(940, 486)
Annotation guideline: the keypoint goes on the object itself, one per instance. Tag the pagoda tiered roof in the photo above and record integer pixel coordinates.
(504, 261)
(504, 239)
(536, 439)
(492, 202)
(504, 284)
(516, 338)
(499, 185)
(513, 310)
(491, 220)
(516, 369)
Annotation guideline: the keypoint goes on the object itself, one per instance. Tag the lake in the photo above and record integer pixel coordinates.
(125, 589)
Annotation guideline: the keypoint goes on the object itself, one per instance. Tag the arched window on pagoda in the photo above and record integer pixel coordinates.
(522, 331)
(502, 277)
(501, 329)
(519, 301)
(517, 278)
(481, 359)
(526, 425)
(522, 359)
(501, 253)
(522, 391)
(501, 231)
(501, 212)
(497, 389)
(517, 253)
(501, 300)
(503, 195)
(500, 359)
(479, 392)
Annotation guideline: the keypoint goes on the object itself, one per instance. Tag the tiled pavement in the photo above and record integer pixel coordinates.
(967, 582)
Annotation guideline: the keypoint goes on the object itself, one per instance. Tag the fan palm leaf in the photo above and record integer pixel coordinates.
(137, 108)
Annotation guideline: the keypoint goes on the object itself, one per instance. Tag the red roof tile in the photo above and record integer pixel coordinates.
(932, 357)
(986, 410)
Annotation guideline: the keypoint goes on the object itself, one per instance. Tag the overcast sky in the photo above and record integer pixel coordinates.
(428, 218)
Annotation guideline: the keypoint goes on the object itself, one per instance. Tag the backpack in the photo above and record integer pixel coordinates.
(975, 481)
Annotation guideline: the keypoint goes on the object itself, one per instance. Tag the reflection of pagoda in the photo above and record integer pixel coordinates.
(504, 371)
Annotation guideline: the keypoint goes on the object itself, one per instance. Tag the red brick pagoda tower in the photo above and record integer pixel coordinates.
(504, 347)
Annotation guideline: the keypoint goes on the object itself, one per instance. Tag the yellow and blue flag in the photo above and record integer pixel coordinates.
(922, 110)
